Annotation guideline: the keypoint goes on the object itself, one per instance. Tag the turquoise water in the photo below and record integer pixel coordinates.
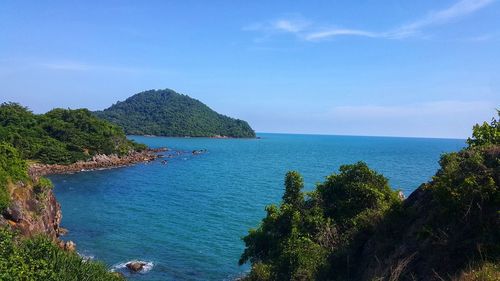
(187, 217)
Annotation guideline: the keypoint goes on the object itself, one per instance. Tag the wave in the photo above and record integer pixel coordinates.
(148, 265)
(86, 257)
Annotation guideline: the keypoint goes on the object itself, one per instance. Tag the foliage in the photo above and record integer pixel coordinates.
(167, 113)
(12, 169)
(41, 188)
(486, 133)
(61, 135)
(468, 181)
(293, 186)
(296, 240)
(486, 272)
(352, 196)
(39, 259)
(354, 227)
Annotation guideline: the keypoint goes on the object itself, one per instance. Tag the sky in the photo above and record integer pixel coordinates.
(368, 67)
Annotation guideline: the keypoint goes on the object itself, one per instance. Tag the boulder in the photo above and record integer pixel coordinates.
(135, 266)
(13, 213)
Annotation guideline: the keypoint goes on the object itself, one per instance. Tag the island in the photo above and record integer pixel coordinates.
(168, 113)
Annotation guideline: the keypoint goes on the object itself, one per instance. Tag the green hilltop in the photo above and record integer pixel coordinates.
(168, 113)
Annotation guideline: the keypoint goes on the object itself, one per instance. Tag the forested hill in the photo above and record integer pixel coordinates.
(167, 113)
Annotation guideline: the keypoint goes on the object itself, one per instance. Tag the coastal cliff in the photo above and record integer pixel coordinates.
(32, 211)
(31, 146)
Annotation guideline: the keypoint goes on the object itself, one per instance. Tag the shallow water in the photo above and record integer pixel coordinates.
(186, 218)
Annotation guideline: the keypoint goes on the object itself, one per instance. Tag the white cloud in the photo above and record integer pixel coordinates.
(318, 35)
(305, 30)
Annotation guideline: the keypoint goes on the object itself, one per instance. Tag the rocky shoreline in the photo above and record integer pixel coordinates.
(100, 161)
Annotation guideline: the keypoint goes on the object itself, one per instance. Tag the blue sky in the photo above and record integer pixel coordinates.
(396, 68)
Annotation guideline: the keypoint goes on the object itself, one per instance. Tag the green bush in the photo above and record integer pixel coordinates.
(12, 169)
(39, 259)
(296, 240)
(485, 133)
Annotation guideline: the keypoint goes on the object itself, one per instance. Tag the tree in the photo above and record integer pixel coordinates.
(293, 186)
(486, 133)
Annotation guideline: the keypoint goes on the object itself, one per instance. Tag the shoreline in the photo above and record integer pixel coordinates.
(193, 137)
(97, 162)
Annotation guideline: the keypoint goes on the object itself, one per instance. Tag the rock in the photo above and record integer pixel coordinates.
(30, 214)
(98, 161)
(401, 195)
(13, 212)
(70, 246)
(135, 266)
(62, 231)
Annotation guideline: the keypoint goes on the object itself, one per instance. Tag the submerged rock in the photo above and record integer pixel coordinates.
(118, 274)
(199, 151)
(135, 266)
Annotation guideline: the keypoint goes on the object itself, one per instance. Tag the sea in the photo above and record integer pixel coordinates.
(184, 215)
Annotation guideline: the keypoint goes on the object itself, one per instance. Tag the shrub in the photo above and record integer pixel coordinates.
(39, 259)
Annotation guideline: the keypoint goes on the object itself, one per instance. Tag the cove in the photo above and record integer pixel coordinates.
(186, 217)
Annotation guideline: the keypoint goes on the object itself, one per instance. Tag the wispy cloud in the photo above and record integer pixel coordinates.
(290, 26)
(286, 25)
(56, 65)
(454, 12)
(66, 65)
(332, 32)
(305, 30)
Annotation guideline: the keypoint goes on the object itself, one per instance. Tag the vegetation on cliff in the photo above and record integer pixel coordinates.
(167, 113)
(354, 227)
(12, 169)
(61, 135)
(37, 258)
(30, 215)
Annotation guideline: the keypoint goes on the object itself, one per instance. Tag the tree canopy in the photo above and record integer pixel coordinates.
(60, 135)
